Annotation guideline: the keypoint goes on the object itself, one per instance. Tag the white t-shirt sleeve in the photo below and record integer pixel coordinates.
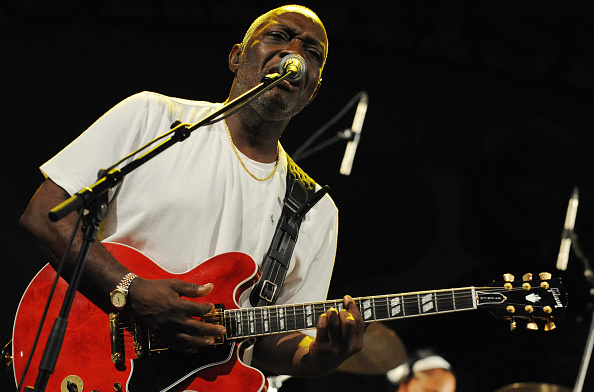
(109, 139)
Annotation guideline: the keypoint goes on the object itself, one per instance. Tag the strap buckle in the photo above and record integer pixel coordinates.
(267, 291)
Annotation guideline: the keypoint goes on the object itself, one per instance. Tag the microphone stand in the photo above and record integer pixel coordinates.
(589, 275)
(94, 199)
(347, 134)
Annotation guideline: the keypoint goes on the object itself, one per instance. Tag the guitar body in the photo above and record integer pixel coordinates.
(86, 351)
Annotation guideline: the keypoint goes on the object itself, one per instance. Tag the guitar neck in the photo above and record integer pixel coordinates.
(267, 320)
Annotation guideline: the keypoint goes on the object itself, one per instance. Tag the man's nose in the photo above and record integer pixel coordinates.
(294, 46)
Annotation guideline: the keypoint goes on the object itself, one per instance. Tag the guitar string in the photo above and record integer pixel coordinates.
(299, 311)
(258, 319)
(381, 300)
(438, 295)
(378, 301)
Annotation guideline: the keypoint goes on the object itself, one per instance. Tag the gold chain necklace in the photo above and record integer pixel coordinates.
(243, 164)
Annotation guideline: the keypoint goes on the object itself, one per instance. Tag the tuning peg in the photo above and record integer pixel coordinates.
(512, 324)
(532, 326)
(527, 277)
(508, 277)
(545, 276)
(550, 326)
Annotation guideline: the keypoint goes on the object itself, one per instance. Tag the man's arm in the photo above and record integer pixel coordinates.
(338, 336)
(158, 303)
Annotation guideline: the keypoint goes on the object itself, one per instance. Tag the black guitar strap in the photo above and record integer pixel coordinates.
(300, 197)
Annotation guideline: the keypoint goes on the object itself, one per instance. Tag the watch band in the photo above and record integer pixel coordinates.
(126, 281)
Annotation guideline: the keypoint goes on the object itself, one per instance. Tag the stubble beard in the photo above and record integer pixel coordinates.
(271, 105)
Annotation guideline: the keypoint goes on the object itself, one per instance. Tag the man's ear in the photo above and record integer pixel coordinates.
(315, 92)
(234, 57)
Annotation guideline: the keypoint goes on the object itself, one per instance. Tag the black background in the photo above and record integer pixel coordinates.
(479, 126)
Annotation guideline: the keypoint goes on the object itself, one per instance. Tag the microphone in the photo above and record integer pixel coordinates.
(351, 147)
(567, 235)
(294, 64)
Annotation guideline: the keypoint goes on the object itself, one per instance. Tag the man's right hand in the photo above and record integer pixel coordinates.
(159, 304)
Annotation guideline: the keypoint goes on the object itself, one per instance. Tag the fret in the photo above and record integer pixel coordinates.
(381, 308)
(245, 322)
(299, 317)
(274, 319)
(270, 319)
(309, 316)
(395, 306)
(427, 303)
(282, 322)
(411, 304)
(366, 309)
(319, 309)
(291, 317)
(265, 321)
(233, 321)
(257, 320)
(338, 305)
(229, 322)
(446, 301)
(465, 300)
(240, 321)
(237, 322)
(252, 327)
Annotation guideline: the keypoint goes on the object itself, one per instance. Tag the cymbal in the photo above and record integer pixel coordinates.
(533, 387)
(382, 351)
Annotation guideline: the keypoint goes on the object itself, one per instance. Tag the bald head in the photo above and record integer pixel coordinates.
(298, 9)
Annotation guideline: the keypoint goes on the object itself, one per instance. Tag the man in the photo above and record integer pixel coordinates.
(221, 190)
(431, 380)
(424, 371)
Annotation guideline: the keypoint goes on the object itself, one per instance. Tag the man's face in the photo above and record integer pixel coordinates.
(434, 380)
(281, 35)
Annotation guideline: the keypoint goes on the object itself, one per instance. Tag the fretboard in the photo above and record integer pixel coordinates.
(243, 323)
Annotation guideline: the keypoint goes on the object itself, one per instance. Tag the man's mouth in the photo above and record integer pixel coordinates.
(286, 84)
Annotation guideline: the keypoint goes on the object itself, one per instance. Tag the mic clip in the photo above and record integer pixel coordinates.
(347, 135)
(568, 234)
(270, 78)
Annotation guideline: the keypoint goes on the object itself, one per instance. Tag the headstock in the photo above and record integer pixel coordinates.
(530, 299)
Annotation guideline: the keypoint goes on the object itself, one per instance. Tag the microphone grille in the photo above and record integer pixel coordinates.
(295, 63)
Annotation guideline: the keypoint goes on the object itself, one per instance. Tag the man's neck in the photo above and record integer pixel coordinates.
(255, 138)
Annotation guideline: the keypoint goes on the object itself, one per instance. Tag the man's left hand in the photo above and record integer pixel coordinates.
(339, 335)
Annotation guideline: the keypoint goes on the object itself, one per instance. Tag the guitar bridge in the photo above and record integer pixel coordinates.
(216, 316)
(146, 343)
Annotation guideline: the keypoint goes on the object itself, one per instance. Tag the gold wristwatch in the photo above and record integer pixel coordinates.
(119, 295)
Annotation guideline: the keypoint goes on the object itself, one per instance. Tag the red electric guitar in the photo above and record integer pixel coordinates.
(104, 352)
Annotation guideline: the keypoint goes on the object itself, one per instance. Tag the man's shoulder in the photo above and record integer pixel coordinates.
(158, 98)
(294, 172)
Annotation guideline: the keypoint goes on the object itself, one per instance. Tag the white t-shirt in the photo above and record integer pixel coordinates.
(195, 200)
